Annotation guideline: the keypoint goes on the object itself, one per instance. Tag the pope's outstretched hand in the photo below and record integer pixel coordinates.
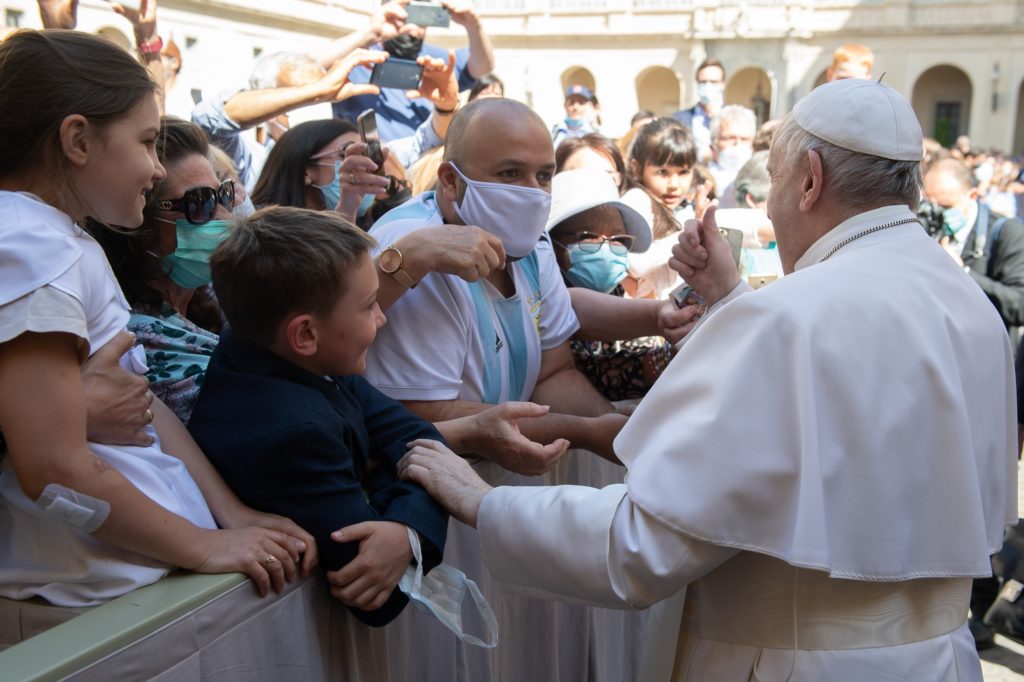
(447, 477)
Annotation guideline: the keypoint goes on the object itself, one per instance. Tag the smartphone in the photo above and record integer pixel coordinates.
(427, 14)
(735, 239)
(367, 122)
(401, 74)
(684, 295)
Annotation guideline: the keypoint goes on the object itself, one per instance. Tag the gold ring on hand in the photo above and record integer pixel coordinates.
(149, 416)
(269, 560)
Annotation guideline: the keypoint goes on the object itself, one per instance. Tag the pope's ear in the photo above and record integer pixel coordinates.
(813, 181)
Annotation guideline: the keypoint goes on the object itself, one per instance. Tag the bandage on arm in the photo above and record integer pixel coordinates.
(42, 414)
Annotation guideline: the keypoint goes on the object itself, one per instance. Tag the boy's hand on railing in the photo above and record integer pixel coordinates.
(367, 581)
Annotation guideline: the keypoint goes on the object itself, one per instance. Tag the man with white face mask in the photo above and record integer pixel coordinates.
(451, 347)
(732, 144)
(710, 96)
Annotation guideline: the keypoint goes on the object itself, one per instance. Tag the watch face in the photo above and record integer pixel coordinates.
(390, 260)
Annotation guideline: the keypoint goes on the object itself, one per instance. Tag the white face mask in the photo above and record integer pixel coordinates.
(733, 158)
(442, 591)
(711, 93)
(516, 215)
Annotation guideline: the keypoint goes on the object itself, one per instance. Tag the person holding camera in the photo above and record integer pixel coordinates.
(989, 247)
(391, 31)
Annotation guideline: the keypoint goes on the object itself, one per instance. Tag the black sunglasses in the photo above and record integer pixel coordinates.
(199, 204)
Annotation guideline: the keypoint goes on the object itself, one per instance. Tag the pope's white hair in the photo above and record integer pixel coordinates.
(852, 178)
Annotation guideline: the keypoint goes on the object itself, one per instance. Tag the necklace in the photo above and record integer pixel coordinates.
(870, 230)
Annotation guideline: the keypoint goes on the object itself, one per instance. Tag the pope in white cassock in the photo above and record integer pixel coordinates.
(826, 463)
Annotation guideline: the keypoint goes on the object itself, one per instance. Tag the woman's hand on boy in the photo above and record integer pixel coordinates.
(367, 581)
(267, 556)
(300, 541)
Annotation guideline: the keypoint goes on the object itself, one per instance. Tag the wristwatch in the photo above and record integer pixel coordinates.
(390, 262)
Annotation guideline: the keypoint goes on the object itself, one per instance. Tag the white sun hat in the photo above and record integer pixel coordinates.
(576, 191)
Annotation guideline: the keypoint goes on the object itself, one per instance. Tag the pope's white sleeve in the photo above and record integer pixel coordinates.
(587, 545)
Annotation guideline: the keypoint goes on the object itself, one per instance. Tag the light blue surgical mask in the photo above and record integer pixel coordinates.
(600, 271)
(442, 593)
(954, 220)
(364, 205)
(332, 190)
(189, 265)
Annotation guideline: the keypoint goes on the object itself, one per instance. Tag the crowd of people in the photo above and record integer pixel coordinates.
(425, 303)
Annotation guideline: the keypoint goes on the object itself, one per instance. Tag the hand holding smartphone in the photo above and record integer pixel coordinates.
(367, 122)
(400, 74)
(427, 14)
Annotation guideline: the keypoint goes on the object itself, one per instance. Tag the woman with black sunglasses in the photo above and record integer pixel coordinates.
(163, 267)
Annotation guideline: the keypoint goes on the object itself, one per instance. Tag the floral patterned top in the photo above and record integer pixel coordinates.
(177, 352)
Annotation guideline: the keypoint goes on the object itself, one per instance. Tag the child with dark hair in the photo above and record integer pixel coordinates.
(85, 521)
(286, 417)
(659, 175)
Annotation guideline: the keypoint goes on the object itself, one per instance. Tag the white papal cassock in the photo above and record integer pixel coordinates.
(827, 462)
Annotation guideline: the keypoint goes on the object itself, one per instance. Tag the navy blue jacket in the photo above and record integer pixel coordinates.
(319, 451)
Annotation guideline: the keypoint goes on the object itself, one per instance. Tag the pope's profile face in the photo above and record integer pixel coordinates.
(783, 204)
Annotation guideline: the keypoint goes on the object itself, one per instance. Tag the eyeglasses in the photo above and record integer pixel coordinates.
(620, 244)
(199, 204)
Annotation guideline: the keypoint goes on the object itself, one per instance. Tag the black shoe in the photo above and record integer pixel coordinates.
(1006, 617)
(983, 637)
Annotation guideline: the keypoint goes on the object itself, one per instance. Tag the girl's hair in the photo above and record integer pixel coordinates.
(423, 173)
(486, 81)
(131, 254)
(662, 142)
(281, 182)
(597, 142)
(46, 76)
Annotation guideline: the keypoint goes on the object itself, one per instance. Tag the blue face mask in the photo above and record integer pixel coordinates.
(954, 220)
(332, 190)
(189, 265)
(599, 271)
(364, 205)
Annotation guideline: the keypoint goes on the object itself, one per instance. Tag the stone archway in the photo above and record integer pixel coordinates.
(942, 99)
(751, 87)
(657, 89)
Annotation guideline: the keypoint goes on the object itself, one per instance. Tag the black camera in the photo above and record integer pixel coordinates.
(930, 216)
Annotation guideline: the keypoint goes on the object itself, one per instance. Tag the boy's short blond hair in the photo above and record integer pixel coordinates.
(853, 53)
(280, 261)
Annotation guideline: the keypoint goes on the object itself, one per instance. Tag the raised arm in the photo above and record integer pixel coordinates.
(251, 107)
(481, 54)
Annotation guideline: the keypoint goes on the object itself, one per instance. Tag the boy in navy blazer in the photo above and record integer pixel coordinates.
(288, 421)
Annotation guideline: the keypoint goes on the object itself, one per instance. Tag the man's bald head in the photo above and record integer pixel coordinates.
(956, 170)
(473, 124)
